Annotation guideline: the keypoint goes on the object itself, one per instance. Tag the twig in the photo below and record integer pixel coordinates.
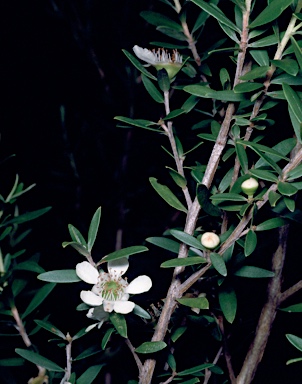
(136, 358)
(268, 313)
(208, 372)
(290, 291)
(227, 354)
(68, 359)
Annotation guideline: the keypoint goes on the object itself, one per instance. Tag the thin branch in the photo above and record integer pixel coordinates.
(268, 313)
(208, 372)
(290, 291)
(227, 354)
(68, 360)
(136, 358)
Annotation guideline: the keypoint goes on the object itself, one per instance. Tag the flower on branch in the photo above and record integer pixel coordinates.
(109, 288)
(161, 59)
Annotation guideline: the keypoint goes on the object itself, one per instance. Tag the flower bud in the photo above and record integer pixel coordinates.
(250, 186)
(210, 240)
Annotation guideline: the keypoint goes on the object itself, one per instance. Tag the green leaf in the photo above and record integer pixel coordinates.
(37, 359)
(26, 217)
(287, 65)
(137, 122)
(139, 311)
(138, 65)
(208, 93)
(288, 79)
(76, 235)
(93, 228)
(183, 262)
(167, 195)
(271, 224)
(90, 374)
(178, 333)
(152, 90)
(78, 247)
(253, 272)
(297, 51)
(297, 125)
(218, 263)
(178, 178)
(294, 101)
(93, 350)
(247, 87)
(222, 197)
(292, 308)
(51, 328)
(273, 197)
(242, 156)
(151, 347)
(264, 175)
(286, 189)
(293, 360)
(196, 302)
(290, 203)
(11, 362)
(38, 298)
(119, 322)
(270, 13)
(165, 243)
(186, 238)
(60, 276)
(175, 113)
(250, 243)
(125, 252)
(228, 303)
(29, 265)
(160, 20)
(295, 341)
(190, 103)
(255, 73)
(265, 42)
(163, 80)
(217, 13)
(203, 196)
(262, 148)
(106, 337)
(260, 56)
(197, 368)
(295, 173)
(284, 147)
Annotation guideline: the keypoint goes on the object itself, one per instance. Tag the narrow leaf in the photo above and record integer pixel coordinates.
(138, 65)
(51, 328)
(196, 302)
(253, 272)
(90, 374)
(152, 90)
(183, 262)
(197, 368)
(218, 263)
(38, 298)
(167, 195)
(125, 252)
(119, 322)
(93, 228)
(293, 100)
(151, 347)
(292, 308)
(60, 276)
(250, 243)
(26, 217)
(228, 303)
(186, 238)
(37, 359)
(271, 224)
(271, 12)
(295, 341)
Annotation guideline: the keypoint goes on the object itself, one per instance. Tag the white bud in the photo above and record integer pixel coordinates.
(210, 240)
(250, 186)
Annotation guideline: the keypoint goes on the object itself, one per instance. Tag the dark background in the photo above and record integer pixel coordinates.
(69, 53)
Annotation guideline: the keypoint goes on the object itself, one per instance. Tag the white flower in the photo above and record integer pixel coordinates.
(210, 240)
(110, 290)
(160, 59)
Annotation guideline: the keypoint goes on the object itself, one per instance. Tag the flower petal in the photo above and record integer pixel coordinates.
(118, 267)
(87, 272)
(139, 285)
(108, 305)
(123, 306)
(91, 298)
(145, 54)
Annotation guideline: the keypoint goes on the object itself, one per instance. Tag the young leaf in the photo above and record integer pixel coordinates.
(167, 195)
(76, 235)
(60, 276)
(250, 243)
(119, 323)
(228, 303)
(90, 374)
(125, 252)
(253, 272)
(37, 359)
(218, 263)
(151, 347)
(26, 217)
(271, 12)
(183, 262)
(38, 298)
(78, 247)
(93, 228)
(195, 302)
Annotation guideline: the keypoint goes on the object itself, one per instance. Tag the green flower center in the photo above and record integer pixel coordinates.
(112, 290)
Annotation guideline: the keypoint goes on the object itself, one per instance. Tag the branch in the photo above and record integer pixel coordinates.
(136, 358)
(290, 291)
(268, 313)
